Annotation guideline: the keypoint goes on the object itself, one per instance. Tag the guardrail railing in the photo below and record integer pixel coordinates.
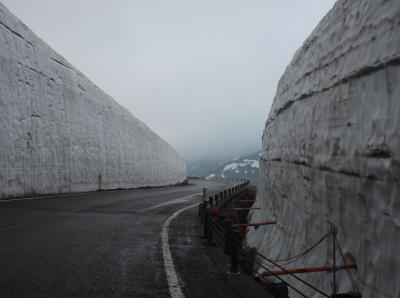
(224, 220)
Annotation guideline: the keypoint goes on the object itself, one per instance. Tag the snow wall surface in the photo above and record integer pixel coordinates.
(60, 133)
(331, 150)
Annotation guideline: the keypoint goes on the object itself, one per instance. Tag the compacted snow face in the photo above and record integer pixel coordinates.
(60, 133)
(331, 150)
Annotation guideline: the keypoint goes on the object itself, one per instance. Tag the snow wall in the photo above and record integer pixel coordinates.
(331, 150)
(60, 133)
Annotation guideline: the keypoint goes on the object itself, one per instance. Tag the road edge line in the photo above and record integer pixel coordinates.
(170, 202)
(175, 289)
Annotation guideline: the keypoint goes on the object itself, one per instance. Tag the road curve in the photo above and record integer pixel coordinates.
(101, 244)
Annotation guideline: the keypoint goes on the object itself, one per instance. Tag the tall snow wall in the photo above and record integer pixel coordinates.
(60, 133)
(331, 151)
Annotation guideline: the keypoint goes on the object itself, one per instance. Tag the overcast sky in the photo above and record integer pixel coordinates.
(202, 74)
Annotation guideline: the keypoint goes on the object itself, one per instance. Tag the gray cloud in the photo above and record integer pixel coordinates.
(202, 74)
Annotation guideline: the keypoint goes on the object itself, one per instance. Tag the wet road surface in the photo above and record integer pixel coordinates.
(203, 268)
(100, 244)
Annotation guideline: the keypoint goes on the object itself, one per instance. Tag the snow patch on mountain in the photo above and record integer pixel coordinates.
(242, 168)
(209, 177)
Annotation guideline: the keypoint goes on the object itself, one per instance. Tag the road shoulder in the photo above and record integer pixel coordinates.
(202, 269)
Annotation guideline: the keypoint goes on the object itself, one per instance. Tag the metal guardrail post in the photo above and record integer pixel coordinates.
(232, 247)
(228, 228)
(204, 205)
(202, 210)
(225, 193)
(209, 230)
(235, 247)
(210, 201)
(205, 235)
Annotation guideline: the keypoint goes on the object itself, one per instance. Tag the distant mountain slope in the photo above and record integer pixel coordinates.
(202, 168)
(245, 167)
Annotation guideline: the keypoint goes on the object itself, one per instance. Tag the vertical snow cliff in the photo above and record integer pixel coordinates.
(60, 133)
(331, 150)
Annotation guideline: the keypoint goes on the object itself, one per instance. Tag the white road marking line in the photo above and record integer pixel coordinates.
(38, 197)
(174, 201)
(175, 289)
(54, 196)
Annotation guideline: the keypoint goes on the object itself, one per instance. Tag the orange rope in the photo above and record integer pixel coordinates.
(297, 257)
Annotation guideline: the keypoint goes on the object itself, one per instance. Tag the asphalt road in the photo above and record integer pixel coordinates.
(101, 244)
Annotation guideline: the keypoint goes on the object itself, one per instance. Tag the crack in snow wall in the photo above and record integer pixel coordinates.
(331, 149)
(60, 133)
